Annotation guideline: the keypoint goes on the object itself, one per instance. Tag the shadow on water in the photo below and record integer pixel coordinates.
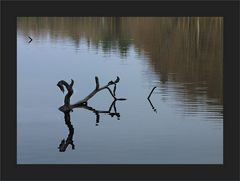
(67, 108)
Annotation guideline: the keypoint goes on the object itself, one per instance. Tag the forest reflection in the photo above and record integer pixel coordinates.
(185, 50)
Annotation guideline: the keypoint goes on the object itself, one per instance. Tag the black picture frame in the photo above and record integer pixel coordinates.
(229, 10)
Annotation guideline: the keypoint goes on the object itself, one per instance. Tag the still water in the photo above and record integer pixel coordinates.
(181, 123)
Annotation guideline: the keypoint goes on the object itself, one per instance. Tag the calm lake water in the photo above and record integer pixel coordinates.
(181, 124)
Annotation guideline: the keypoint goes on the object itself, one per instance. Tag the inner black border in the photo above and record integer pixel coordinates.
(228, 171)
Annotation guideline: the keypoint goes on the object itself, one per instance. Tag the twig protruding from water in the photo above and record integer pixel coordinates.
(30, 39)
(154, 109)
(151, 92)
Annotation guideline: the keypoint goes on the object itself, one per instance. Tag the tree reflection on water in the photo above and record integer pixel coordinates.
(185, 50)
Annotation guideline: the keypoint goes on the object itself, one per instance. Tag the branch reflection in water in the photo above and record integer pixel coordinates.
(67, 107)
(69, 141)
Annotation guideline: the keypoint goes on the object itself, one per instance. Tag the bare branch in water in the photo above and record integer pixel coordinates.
(68, 106)
(97, 89)
(30, 39)
(151, 92)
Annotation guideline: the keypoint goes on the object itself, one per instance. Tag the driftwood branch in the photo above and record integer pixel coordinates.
(67, 106)
(98, 89)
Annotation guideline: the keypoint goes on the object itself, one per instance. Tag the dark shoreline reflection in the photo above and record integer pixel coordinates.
(186, 51)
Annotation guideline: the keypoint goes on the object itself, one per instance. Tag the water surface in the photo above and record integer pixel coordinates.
(181, 124)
